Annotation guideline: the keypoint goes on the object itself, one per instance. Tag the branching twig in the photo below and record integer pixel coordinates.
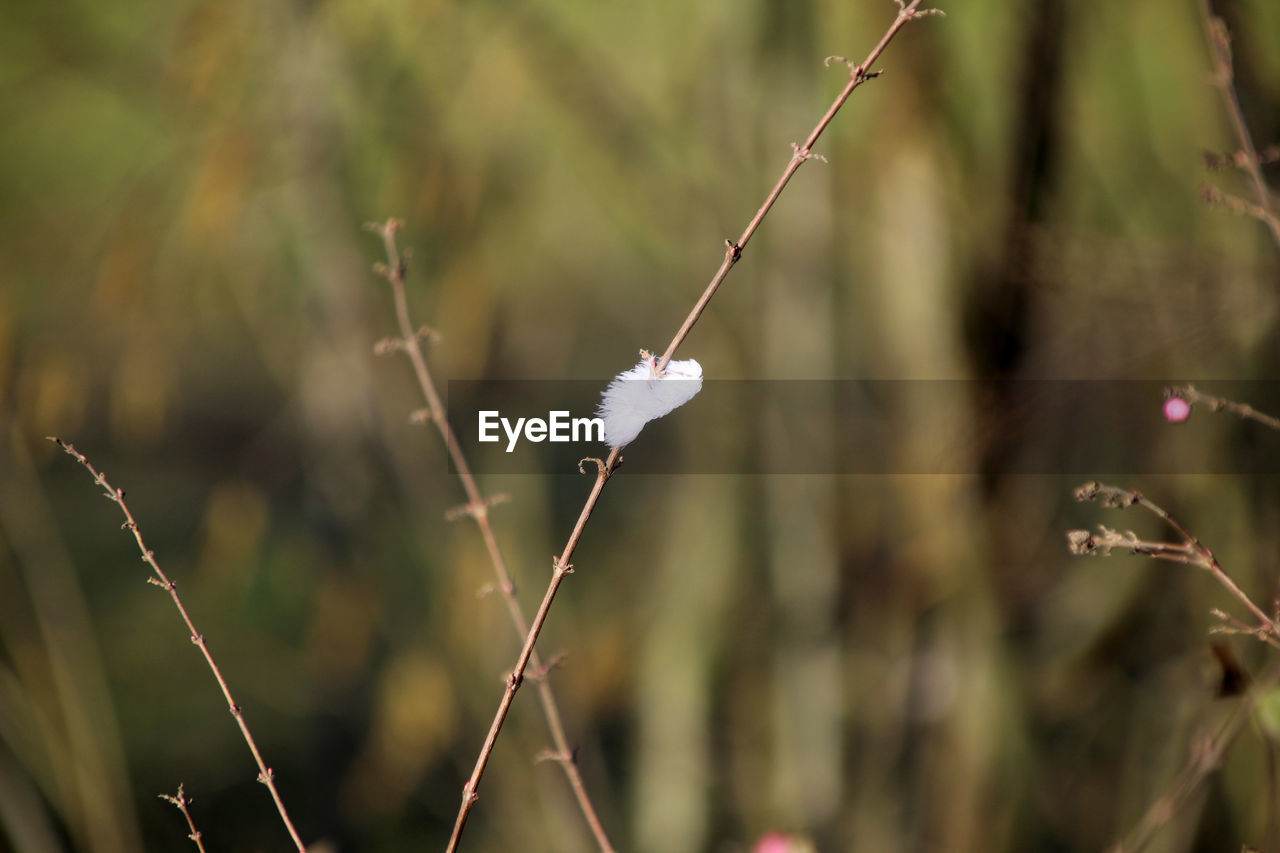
(265, 774)
(477, 507)
(1224, 79)
(1206, 751)
(1232, 625)
(181, 801)
(802, 153)
(1191, 550)
(1221, 404)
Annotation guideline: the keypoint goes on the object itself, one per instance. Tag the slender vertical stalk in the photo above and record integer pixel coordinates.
(858, 74)
(478, 508)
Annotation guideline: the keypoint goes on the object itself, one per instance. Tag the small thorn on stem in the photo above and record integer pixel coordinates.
(388, 346)
(733, 250)
(556, 662)
(570, 757)
(854, 68)
(476, 510)
(804, 154)
(911, 14)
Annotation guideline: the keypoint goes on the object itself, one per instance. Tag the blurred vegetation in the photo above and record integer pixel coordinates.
(894, 663)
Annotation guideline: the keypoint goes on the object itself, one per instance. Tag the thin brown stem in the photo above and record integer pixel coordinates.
(1221, 404)
(478, 508)
(858, 74)
(265, 774)
(560, 568)
(1207, 753)
(1232, 625)
(1191, 550)
(181, 801)
(1224, 79)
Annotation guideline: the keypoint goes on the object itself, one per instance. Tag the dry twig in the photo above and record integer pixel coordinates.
(181, 801)
(265, 774)
(1207, 751)
(1190, 550)
(1247, 159)
(1221, 404)
(1206, 756)
(801, 153)
(477, 507)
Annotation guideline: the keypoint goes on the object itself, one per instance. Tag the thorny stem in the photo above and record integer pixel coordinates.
(1191, 550)
(1221, 404)
(477, 507)
(858, 74)
(1224, 80)
(265, 774)
(181, 801)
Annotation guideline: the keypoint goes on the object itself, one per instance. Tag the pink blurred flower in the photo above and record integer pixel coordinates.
(775, 842)
(1176, 410)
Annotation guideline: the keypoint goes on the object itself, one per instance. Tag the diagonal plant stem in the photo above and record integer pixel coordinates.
(1207, 753)
(478, 508)
(265, 774)
(858, 74)
(1224, 79)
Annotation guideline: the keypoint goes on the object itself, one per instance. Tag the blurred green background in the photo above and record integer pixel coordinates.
(869, 663)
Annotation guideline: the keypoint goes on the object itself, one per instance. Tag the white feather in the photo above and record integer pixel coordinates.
(639, 395)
